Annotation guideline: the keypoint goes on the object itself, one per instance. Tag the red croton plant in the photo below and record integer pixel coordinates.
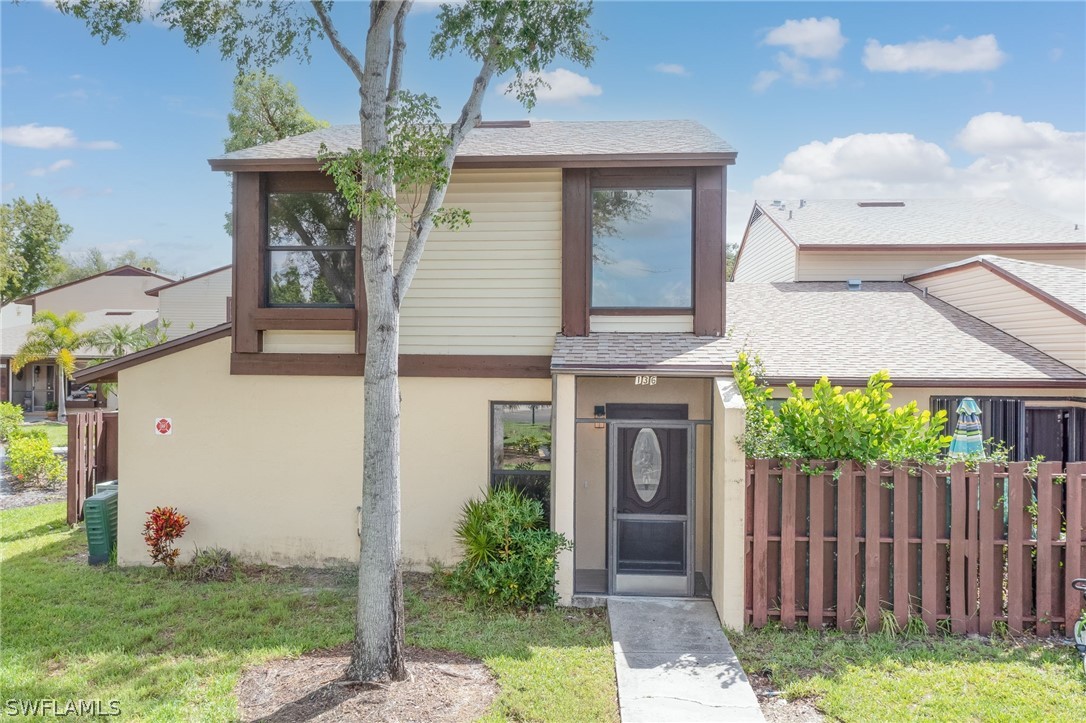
(164, 526)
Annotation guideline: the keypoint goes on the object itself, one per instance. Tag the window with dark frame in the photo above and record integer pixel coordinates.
(520, 449)
(642, 248)
(309, 251)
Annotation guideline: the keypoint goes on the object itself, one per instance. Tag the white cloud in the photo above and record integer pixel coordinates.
(1055, 54)
(809, 38)
(562, 86)
(671, 69)
(80, 192)
(9, 186)
(960, 55)
(33, 135)
(14, 70)
(51, 168)
(1031, 162)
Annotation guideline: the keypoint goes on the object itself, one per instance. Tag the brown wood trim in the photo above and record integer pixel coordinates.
(638, 311)
(528, 161)
(709, 260)
(107, 371)
(202, 274)
(663, 177)
(576, 251)
(1010, 278)
(302, 318)
(932, 248)
(124, 270)
(301, 182)
(411, 365)
(248, 281)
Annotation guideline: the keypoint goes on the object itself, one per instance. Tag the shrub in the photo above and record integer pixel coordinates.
(11, 418)
(214, 563)
(859, 425)
(32, 461)
(510, 557)
(164, 526)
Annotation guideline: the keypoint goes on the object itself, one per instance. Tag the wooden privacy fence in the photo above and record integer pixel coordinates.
(952, 547)
(92, 456)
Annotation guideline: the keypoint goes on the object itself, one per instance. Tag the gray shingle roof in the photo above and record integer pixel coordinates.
(1060, 282)
(930, 222)
(541, 138)
(803, 330)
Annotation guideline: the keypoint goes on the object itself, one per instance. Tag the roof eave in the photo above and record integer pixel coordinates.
(883, 248)
(107, 371)
(587, 160)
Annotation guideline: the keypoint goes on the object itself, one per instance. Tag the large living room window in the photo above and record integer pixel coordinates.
(642, 249)
(310, 250)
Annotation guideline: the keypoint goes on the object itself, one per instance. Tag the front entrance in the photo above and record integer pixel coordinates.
(651, 482)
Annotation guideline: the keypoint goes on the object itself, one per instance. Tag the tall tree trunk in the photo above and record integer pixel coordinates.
(61, 394)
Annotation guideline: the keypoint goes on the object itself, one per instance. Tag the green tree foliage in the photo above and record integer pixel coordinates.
(32, 461)
(54, 338)
(858, 425)
(31, 234)
(265, 109)
(93, 261)
(11, 418)
(120, 339)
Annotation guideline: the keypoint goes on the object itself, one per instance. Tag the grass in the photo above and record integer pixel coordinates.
(56, 431)
(167, 648)
(882, 678)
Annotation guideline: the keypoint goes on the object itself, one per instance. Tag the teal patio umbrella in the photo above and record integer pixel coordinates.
(967, 434)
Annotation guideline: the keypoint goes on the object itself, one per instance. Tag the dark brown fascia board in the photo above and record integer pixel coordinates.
(928, 248)
(410, 365)
(110, 272)
(154, 291)
(535, 161)
(1010, 278)
(669, 370)
(107, 371)
(1071, 383)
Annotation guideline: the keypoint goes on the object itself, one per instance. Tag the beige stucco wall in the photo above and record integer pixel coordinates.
(993, 299)
(729, 505)
(195, 305)
(269, 466)
(768, 255)
(102, 292)
(890, 266)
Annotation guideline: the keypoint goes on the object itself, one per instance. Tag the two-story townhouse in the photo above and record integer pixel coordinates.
(116, 296)
(195, 302)
(587, 294)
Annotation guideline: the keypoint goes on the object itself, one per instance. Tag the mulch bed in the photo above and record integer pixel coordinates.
(13, 495)
(443, 686)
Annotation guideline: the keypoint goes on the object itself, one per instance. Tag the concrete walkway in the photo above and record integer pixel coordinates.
(674, 663)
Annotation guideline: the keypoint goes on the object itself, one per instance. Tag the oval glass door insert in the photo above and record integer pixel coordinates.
(647, 464)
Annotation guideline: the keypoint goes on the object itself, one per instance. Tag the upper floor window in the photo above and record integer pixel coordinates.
(642, 248)
(310, 250)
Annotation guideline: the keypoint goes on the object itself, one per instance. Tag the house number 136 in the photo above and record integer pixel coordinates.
(648, 381)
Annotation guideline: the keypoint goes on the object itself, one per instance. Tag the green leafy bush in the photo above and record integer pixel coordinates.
(214, 563)
(32, 462)
(510, 557)
(859, 425)
(11, 418)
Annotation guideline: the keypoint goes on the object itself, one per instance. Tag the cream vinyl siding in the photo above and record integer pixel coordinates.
(996, 301)
(494, 287)
(888, 265)
(103, 292)
(768, 255)
(270, 467)
(681, 324)
(309, 342)
(195, 305)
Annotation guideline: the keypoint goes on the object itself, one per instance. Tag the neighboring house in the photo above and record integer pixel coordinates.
(116, 296)
(195, 303)
(587, 293)
(885, 240)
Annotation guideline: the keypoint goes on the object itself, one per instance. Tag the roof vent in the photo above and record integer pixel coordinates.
(854, 284)
(777, 204)
(505, 124)
(802, 203)
(881, 204)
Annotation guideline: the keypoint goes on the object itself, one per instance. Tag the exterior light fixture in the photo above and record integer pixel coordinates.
(599, 412)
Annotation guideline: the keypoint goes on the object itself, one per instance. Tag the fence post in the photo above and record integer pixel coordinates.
(1072, 556)
(816, 546)
(788, 545)
(930, 585)
(761, 542)
(901, 577)
(958, 522)
(872, 547)
(1046, 527)
(1017, 527)
(846, 546)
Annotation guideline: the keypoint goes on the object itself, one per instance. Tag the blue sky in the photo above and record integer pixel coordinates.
(820, 99)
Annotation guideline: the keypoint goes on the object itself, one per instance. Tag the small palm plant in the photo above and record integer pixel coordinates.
(117, 339)
(56, 339)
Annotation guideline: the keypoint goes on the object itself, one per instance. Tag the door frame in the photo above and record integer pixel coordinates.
(689, 519)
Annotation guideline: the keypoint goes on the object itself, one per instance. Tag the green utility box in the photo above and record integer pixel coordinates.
(100, 519)
(103, 486)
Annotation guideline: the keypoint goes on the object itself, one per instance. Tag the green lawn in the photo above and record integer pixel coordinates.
(57, 432)
(879, 678)
(169, 649)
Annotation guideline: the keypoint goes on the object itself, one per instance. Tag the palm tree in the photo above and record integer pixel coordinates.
(54, 338)
(117, 339)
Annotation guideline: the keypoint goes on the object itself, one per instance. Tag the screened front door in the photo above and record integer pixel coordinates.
(651, 502)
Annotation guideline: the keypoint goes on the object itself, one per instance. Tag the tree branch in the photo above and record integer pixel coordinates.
(470, 116)
(398, 46)
(333, 37)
